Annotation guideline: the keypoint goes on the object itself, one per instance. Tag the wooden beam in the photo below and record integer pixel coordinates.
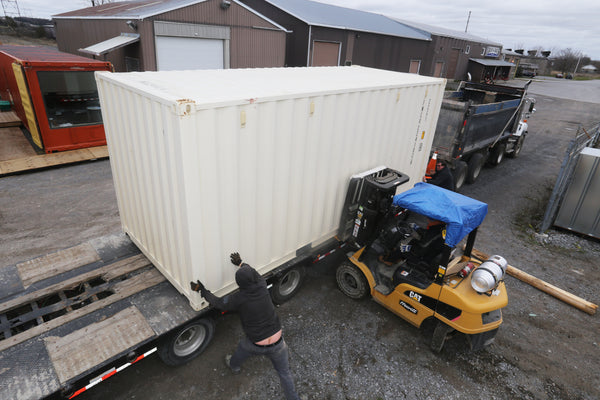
(53, 159)
(545, 287)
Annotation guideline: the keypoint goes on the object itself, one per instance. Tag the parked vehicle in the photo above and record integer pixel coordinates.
(478, 123)
(405, 259)
(206, 163)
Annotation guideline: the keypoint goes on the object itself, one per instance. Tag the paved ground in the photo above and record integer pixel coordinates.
(343, 349)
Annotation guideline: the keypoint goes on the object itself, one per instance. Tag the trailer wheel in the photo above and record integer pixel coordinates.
(517, 149)
(287, 285)
(187, 342)
(440, 334)
(460, 174)
(497, 154)
(351, 281)
(475, 165)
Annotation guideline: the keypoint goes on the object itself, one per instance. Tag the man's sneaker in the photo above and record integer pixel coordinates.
(234, 370)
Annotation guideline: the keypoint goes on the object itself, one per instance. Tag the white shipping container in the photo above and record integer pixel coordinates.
(258, 161)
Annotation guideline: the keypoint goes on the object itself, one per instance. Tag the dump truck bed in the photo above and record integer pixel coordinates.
(68, 316)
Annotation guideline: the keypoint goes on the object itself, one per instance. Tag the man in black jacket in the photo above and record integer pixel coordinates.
(443, 176)
(259, 322)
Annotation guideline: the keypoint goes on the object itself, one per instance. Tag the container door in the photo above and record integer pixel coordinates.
(27, 105)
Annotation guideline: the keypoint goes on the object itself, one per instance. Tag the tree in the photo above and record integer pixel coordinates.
(99, 2)
(567, 59)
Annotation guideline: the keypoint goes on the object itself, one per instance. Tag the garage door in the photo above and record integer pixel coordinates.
(326, 54)
(178, 53)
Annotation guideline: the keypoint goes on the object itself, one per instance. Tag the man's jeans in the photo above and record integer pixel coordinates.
(278, 355)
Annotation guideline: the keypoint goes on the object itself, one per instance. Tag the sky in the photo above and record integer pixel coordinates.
(533, 24)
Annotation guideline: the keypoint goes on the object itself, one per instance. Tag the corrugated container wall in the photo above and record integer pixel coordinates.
(258, 161)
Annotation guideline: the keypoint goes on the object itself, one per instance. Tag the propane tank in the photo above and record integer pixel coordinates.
(466, 270)
(489, 274)
(431, 165)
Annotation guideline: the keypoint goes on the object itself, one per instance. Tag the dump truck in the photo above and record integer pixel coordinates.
(205, 163)
(481, 123)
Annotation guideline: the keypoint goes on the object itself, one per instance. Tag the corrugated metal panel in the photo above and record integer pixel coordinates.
(580, 210)
(257, 48)
(258, 161)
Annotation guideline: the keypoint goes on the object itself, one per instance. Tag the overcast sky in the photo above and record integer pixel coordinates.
(528, 24)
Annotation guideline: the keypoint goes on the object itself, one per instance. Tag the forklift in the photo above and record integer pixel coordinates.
(406, 257)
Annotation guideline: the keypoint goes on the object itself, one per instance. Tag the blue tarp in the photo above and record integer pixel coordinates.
(460, 213)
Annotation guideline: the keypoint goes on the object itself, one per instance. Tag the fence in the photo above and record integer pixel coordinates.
(584, 138)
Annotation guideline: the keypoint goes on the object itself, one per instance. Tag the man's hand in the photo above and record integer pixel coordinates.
(236, 259)
(197, 286)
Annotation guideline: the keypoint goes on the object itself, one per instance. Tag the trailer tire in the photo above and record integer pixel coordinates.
(186, 342)
(351, 281)
(518, 147)
(475, 166)
(497, 154)
(460, 174)
(287, 285)
(440, 333)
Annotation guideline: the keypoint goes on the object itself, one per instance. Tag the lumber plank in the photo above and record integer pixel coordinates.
(127, 265)
(56, 263)
(50, 160)
(9, 119)
(70, 354)
(545, 287)
(14, 144)
(123, 290)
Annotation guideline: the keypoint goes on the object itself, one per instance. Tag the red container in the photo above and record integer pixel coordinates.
(54, 94)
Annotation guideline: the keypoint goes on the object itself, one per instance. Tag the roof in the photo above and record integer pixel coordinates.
(330, 16)
(461, 214)
(36, 55)
(109, 45)
(438, 31)
(492, 63)
(141, 9)
(590, 67)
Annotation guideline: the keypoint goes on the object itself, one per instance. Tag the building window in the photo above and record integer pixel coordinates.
(415, 65)
(467, 49)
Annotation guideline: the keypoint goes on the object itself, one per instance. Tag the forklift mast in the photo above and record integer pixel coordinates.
(368, 200)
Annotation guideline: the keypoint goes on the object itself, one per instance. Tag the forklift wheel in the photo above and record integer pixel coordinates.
(439, 336)
(352, 281)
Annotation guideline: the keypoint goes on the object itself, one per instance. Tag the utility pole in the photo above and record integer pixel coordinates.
(11, 8)
(468, 19)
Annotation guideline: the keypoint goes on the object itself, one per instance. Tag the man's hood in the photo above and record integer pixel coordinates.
(250, 281)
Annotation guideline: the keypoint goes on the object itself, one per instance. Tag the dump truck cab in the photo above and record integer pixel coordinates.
(407, 258)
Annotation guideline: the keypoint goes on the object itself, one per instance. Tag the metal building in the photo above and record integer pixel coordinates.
(327, 35)
(173, 35)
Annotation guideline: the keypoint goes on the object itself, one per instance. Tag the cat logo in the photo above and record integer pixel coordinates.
(415, 296)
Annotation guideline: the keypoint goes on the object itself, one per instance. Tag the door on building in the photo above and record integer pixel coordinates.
(452, 62)
(439, 67)
(415, 65)
(326, 54)
(180, 53)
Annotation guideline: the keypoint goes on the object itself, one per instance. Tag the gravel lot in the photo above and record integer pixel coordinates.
(345, 349)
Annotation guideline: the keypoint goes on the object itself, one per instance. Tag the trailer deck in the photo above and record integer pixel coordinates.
(68, 314)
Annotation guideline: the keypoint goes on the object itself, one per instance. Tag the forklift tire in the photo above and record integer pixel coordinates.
(440, 334)
(497, 154)
(286, 286)
(517, 148)
(480, 341)
(351, 281)
(475, 166)
(460, 174)
(186, 342)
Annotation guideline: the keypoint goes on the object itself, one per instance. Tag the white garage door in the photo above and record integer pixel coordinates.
(179, 53)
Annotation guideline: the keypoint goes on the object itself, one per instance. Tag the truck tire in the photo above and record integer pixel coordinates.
(286, 286)
(440, 334)
(475, 166)
(517, 149)
(351, 281)
(497, 154)
(460, 174)
(186, 342)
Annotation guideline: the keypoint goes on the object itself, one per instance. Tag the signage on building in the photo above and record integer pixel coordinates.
(492, 52)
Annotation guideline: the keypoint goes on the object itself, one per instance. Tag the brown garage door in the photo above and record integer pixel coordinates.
(325, 54)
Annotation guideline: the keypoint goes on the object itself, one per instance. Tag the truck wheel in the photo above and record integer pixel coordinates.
(460, 174)
(440, 334)
(187, 342)
(497, 154)
(475, 165)
(287, 285)
(351, 281)
(517, 149)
